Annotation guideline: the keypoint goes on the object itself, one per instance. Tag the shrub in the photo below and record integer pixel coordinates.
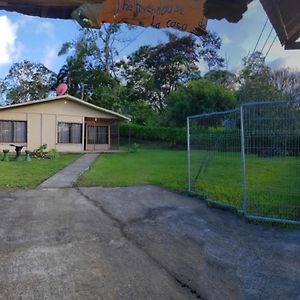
(40, 152)
(53, 153)
(173, 136)
(134, 147)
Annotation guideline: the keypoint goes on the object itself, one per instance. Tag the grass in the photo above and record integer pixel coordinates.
(30, 174)
(272, 183)
(159, 167)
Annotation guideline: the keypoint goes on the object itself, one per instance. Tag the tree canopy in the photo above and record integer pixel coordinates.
(198, 96)
(27, 81)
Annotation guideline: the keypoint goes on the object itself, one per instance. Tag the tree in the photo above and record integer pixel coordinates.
(89, 69)
(27, 81)
(152, 73)
(256, 82)
(198, 96)
(287, 82)
(226, 79)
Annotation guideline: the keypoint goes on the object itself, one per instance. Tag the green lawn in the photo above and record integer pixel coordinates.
(160, 167)
(30, 174)
(272, 183)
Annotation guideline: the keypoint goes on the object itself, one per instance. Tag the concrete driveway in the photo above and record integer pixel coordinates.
(138, 243)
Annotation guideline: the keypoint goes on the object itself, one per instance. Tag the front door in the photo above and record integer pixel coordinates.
(97, 137)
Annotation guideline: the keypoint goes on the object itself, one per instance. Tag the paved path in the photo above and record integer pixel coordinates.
(140, 242)
(68, 176)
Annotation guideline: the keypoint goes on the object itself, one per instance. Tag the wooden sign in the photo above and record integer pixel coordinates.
(184, 15)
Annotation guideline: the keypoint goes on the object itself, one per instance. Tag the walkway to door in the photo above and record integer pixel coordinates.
(68, 176)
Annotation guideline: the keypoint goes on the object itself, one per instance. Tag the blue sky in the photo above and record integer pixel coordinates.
(36, 39)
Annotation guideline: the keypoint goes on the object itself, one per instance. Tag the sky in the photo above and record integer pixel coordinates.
(39, 40)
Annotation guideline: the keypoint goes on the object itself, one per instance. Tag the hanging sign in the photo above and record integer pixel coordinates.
(184, 15)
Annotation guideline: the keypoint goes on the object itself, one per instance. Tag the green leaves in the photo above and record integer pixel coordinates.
(27, 81)
(198, 96)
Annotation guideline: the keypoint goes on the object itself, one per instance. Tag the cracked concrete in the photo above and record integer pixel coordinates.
(139, 242)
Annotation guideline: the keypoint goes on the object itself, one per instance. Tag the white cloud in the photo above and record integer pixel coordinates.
(46, 28)
(50, 56)
(281, 58)
(10, 49)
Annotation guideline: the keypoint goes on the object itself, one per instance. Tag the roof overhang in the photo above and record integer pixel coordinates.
(59, 9)
(285, 18)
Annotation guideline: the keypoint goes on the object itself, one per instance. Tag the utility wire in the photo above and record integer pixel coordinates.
(263, 48)
(127, 45)
(263, 30)
(271, 46)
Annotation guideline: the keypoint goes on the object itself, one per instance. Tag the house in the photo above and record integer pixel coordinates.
(64, 123)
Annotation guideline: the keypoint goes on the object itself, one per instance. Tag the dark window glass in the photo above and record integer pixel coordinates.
(13, 132)
(97, 135)
(69, 133)
(102, 135)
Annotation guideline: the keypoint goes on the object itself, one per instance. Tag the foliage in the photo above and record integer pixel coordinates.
(53, 153)
(134, 148)
(152, 73)
(227, 79)
(27, 81)
(287, 82)
(256, 82)
(41, 153)
(198, 96)
(173, 136)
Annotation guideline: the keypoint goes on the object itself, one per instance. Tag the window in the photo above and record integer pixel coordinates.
(13, 132)
(69, 133)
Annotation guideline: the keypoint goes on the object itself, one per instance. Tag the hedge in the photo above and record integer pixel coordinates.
(174, 136)
(217, 139)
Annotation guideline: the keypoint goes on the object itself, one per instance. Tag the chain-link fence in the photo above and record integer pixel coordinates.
(248, 159)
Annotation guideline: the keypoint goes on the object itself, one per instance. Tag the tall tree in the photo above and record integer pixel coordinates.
(256, 82)
(287, 82)
(27, 81)
(152, 73)
(222, 77)
(90, 66)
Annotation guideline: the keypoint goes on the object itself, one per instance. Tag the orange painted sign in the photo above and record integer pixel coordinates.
(184, 15)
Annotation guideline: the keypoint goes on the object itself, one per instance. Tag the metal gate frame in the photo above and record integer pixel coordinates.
(241, 110)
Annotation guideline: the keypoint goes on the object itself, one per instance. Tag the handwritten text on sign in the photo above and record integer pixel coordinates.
(187, 15)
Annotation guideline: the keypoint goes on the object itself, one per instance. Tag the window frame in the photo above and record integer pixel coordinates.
(69, 133)
(12, 134)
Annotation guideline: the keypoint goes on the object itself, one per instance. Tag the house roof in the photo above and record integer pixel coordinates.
(285, 18)
(70, 98)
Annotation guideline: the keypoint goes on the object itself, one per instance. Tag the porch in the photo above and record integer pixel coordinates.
(101, 135)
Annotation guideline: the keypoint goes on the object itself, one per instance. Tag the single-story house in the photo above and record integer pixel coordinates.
(64, 123)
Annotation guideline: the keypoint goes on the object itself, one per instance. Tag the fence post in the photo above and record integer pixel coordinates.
(243, 156)
(189, 155)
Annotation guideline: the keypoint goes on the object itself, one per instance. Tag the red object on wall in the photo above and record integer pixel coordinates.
(61, 89)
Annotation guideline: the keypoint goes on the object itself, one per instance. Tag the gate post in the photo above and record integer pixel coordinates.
(243, 156)
(189, 155)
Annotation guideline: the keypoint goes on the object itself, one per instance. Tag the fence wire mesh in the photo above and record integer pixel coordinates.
(249, 158)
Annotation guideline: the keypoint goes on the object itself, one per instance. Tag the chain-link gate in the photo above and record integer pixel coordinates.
(249, 159)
